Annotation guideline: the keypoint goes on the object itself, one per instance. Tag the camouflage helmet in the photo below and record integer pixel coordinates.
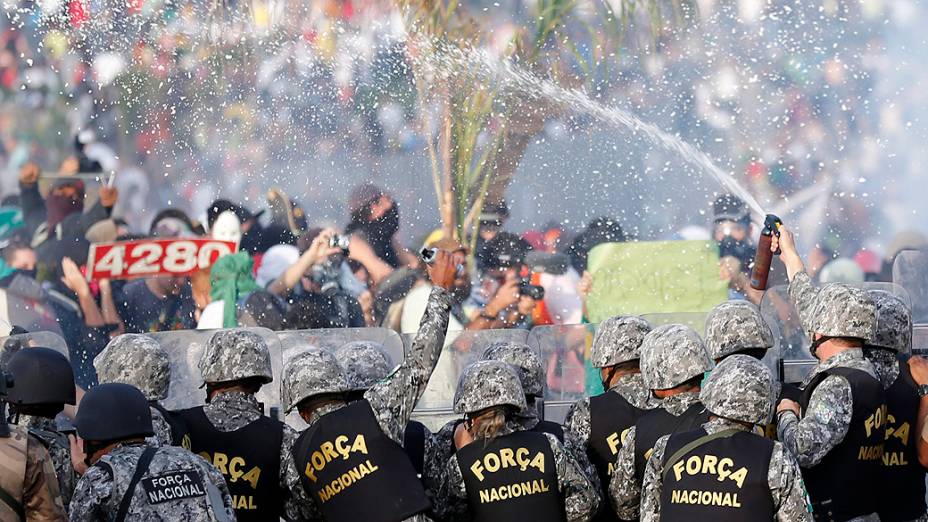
(893, 323)
(365, 363)
(308, 374)
(136, 359)
(524, 360)
(842, 311)
(485, 384)
(671, 355)
(618, 340)
(734, 326)
(235, 354)
(740, 388)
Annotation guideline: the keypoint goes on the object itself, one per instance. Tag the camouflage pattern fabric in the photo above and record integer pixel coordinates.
(310, 373)
(734, 326)
(740, 388)
(581, 498)
(835, 310)
(365, 363)
(162, 429)
(893, 323)
(671, 355)
(136, 359)
(59, 449)
(485, 384)
(631, 387)
(618, 339)
(100, 491)
(790, 498)
(235, 354)
(524, 360)
(27, 474)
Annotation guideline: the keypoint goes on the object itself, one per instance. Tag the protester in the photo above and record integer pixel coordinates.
(836, 430)
(119, 472)
(374, 222)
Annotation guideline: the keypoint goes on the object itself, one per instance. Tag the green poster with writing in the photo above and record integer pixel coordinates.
(639, 278)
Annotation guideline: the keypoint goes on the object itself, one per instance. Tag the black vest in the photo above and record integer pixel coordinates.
(611, 416)
(843, 484)
(553, 428)
(903, 494)
(513, 477)
(248, 458)
(655, 424)
(723, 480)
(354, 472)
(414, 445)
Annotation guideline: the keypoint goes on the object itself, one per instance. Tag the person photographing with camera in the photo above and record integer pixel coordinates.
(505, 298)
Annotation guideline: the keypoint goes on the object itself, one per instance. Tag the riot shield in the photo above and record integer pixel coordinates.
(184, 348)
(920, 340)
(293, 342)
(435, 406)
(910, 271)
(24, 303)
(13, 343)
(793, 342)
(565, 352)
(695, 320)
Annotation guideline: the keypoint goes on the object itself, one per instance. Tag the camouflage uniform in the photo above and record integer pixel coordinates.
(365, 363)
(670, 356)
(101, 490)
(392, 399)
(59, 449)
(893, 335)
(32, 482)
(487, 384)
(739, 391)
(139, 360)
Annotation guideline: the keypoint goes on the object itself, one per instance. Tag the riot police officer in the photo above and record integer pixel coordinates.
(365, 364)
(837, 429)
(902, 496)
(139, 360)
(737, 327)
(44, 384)
(722, 470)
(673, 361)
(600, 422)
(500, 471)
(231, 431)
(28, 486)
(126, 479)
(348, 464)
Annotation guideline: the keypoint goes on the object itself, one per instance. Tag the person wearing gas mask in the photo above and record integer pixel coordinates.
(123, 478)
(723, 470)
(374, 222)
(837, 428)
(673, 361)
(502, 472)
(601, 423)
(349, 463)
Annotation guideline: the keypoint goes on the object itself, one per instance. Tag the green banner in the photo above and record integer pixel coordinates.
(639, 278)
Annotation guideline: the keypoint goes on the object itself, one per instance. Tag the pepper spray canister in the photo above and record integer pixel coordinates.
(764, 257)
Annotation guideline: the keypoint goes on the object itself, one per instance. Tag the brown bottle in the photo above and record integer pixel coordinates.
(764, 257)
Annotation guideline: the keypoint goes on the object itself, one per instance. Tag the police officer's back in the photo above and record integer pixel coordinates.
(839, 437)
(28, 486)
(902, 496)
(231, 431)
(349, 464)
(723, 470)
(502, 472)
(126, 479)
(44, 384)
(599, 423)
(673, 361)
(139, 360)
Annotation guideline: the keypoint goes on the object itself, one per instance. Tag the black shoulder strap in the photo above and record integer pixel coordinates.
(414, 444)
(15, 505)
(140, 468)
(705, 439)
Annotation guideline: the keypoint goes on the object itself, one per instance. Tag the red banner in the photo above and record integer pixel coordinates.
(154, 257)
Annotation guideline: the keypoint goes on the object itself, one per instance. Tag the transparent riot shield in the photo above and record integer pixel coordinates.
(910, 271)
(13, 343)
(564, 351)
(795, 360)
(24, 303)
(695, 320)
(461, 348)
(184, 347)
(920, 340)
(293, 342)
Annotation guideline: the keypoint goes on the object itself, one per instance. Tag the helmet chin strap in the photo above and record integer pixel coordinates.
(608, 380)
(813, 348)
